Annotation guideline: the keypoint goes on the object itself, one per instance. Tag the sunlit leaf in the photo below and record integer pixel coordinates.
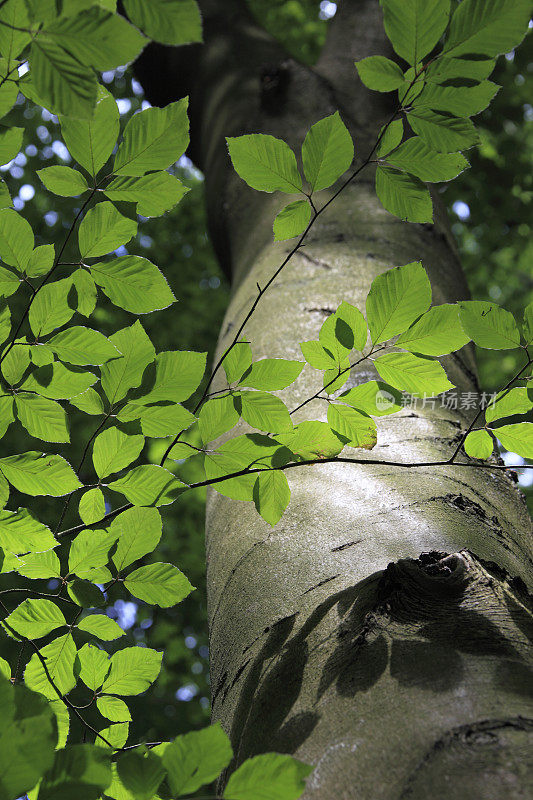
(39, 474)
(265, 163)
(133, 283)
(132, 670)
(292, 220)
(415, 374)
(90, 141)
(64, 181)
(153, 139)
(103, 229)
(158, 584)
(435, 333)
(271, 495)
(479, 444)
(396, 299)
(113, 450)
(196, 758)
(488, 325)
(270, 776)
(154, 193)
(403, 195)
(327, 152)
(138, 531)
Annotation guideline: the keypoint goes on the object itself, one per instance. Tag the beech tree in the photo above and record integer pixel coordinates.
(379, 632)
(368, 552)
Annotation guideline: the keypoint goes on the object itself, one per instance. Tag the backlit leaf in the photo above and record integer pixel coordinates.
(509, 402)
(196, 758)
(90, 141)
(64, 181)
(327, 152)
(92, 506)
(153, 139)
(517, 438)
(355, 427)
(103, 229)
(292, 220)
(114, 450)
(395, 300)
(479, 444)
(133, 283)
(441, 132)
(154, 193)
(435, 333)
(380, 73)
(416, 375)
(271, 374)
(16, 239)
(101, 626)
(158, 584)
(167, 21)
(415, 26)
(138, 531)
(121, 375)
(270, 776)
(36, 618)
(42, 418)
(132, 670)
(148, 485)
(487, 27)
(265, 163)
(94, 665)
(416, 157)
(403, 195)
(264, 411)
(271, 495)
(60, 657)
(39, 474)
(488, 325)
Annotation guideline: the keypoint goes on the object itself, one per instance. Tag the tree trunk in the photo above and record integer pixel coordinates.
(380, 630)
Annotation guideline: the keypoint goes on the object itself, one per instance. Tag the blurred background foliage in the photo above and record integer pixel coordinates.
(490, 209)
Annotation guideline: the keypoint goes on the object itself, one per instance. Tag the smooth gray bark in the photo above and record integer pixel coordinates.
(380, 630)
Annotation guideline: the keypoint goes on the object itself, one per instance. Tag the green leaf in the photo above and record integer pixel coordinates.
(133, 283)
(41, 355)
(343, 331)
(60, 657)
(154, 194)
(92, 506)
(5, 671)
(16, 239)
(403, 195)
(415, 26)
(435, 333)
(461, 101)
(15, 363)
(94, 666)
(517, 438)
(270, 776)
(442, 132)
(488, 325)
(6, 413)
(264, 411)
(374, 398)
(114, 450)
(327, 152)
(64, 181)
(158, 421)
(91, 141)
(39, 474)
(379, 73)
(358, 429)
(9, 282)
(80, 770)
(40, 565)
(21, 532)
(36, 618)
(103, 627)
(391, 136)
(271, 374)
(479, 444)
(140, 773)
(51, 308)
(27, 740)
(5, 321)
(97, 38)
(487, 27)
(58, 382)
(62, 83)
(85, 594)
(311, 440)
(292, 220)
(417, 375)
(90, 549)
(177, 374)
(271, 495)
(396, 299)
(85, 292)
(196, 758)
(237, 361)
(42, 418)
(12, 40)
(416, 157)
(158, 584)
(115, 736)
(41, 260)
(132, 670)
(166, 21)
(89, 401)
(265, 163)
(112, 708)
(138, 531)
(10, 143)
(123, 374)
(217, 416)
(153, 139)
(103, 229)
(82, 346)
(508, 403)
(5, 197)
(148, 485)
